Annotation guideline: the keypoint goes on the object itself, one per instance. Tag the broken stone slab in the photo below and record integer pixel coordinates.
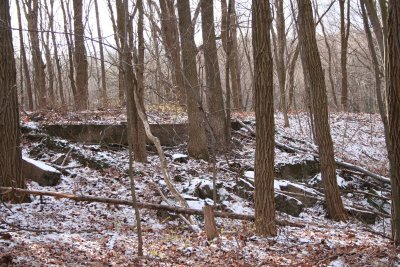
(362, 215)
(298, 171)
(288, 204)
(307, 196)
(40, 172)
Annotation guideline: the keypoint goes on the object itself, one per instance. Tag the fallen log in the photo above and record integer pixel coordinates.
(141, 205)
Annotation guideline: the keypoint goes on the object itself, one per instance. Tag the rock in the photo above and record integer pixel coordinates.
(300, 171)
(40, 172)
(300, 189)
(182, 158)
(362, 215)
(288, 205)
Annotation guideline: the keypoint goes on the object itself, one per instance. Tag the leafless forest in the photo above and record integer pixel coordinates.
(199, 132)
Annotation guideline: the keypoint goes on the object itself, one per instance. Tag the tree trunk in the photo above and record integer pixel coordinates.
(103, 90)
(169, 26)
(393, 97)
(264, 111)
(27, 75)
(57, 59)
(280, 60)
(71, 73)
(131, 82)
(32, 13)
(81, 63)
(10, 152)
(49, 62)
(344, 39)
(234, 61)
(197, 145)
(213, 80)
(323, 137)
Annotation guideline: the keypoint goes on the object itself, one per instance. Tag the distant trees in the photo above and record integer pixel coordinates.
(319, 103)
(265, 131)
(10, 152)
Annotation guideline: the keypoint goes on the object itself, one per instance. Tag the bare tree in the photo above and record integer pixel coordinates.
(169, 26)
(323, 137)
(31, 9)
(68, 38)
(393, 97)
(344, 40)
(197, 145)
(24, 62)
(103, 90)
(213, 79)
(280, 57)
(264, 110)
(81, 63)
(10, 152)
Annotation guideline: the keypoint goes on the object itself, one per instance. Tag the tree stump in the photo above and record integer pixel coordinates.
(209, 222)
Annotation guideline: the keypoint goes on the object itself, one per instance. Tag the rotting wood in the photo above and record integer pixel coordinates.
(142, 205)
(209, 222)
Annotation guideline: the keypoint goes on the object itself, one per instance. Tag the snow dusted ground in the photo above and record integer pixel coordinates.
(60, 232)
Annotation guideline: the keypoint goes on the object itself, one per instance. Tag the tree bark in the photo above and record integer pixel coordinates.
(264, 111)
(10, 152)
(197, 144)
(81, 63)
(323, 137)
(215, 99)
(393, 98)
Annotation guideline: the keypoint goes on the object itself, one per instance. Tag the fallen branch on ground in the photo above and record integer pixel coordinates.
(143, 205)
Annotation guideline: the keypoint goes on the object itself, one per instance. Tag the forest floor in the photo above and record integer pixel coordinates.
(61, 232)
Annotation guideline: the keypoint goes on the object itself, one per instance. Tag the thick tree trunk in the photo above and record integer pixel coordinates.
(393, 97)
(10, 152)
(197, 145)
(213, 80)
(81, 63)
(323, 137)
(264, 111)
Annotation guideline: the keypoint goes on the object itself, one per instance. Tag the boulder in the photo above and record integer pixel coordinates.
(288, 205)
